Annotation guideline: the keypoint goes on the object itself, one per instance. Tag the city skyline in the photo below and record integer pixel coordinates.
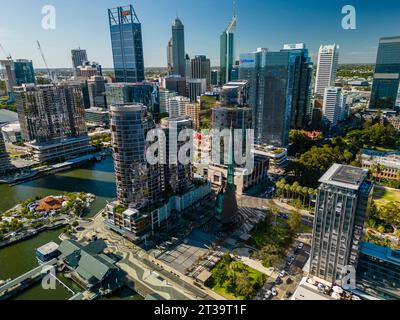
(90, 31)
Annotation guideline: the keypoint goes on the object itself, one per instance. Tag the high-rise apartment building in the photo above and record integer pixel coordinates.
(227, 50)
(178, 176)
(97, 92)
(127, 44)
(271, 76)
(52, 119)
(165, 95)
(328, 59)
(192, 110)
(386, 86)
(79, 56)
(333, 106)
(138, 183)
(201, 69)
(341, 210)
(176, 106)
(4, 158)
(302, 88)
(178, 48)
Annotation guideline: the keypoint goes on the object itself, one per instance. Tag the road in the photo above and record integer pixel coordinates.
(139, 264)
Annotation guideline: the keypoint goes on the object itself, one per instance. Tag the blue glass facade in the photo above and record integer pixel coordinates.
(24, 72)
(302, 87)
(146, 93)
(127, 44)
(271, 76)
(385, 90)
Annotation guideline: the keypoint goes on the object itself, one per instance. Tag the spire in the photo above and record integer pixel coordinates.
(231, 166)
(234, 8)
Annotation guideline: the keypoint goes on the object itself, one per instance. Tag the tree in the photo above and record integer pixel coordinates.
(244, 286)
(294, 221)
(390, 213)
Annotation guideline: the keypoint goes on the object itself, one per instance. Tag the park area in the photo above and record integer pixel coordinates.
(383, 196)
(235, 281)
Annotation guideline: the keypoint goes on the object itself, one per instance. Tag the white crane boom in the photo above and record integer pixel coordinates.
(44, 60)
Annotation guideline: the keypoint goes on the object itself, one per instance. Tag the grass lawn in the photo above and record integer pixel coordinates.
(241, 268)
(384, 195)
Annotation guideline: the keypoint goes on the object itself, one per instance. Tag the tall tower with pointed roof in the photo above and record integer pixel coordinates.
(228, 46)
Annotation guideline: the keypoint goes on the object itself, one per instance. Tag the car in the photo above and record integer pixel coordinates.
(300, 246)
(288, 294)
(278, 280)
(274, 292)
(268, 294)
(282, 274)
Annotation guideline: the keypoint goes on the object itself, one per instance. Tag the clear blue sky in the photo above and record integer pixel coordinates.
(262, 23)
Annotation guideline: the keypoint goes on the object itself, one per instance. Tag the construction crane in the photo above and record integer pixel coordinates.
(5, 53)
(44, 60)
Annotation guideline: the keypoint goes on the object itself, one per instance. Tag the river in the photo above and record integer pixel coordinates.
(96, 178)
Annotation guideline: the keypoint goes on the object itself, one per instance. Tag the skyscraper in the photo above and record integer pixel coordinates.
(271, 76)
(97, 92)
(178, 48)
(195, 88)
(138, 183)
(201, 69)
(328, 59)
(227, 50)
(333, 105)
(342, 208)
(386, 86)
(178, 177)
(302, 88)
(52, 119)
(79, 56)
(127, 44)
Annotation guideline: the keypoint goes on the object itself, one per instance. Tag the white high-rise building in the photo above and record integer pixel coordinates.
(328, 59)
(176, 106)
(333, 105)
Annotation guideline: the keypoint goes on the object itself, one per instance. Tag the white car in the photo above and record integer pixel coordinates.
(268, 294)
(282, 274)
(274, 292)
(301, 246)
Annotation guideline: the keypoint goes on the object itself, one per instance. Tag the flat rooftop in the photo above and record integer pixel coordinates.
(344, 176)
(48, 248)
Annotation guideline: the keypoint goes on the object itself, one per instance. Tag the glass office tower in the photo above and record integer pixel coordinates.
(302, 88)
(271, 76)
(227, 57)
(386, 86)
(127, 44)
(178, 48)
